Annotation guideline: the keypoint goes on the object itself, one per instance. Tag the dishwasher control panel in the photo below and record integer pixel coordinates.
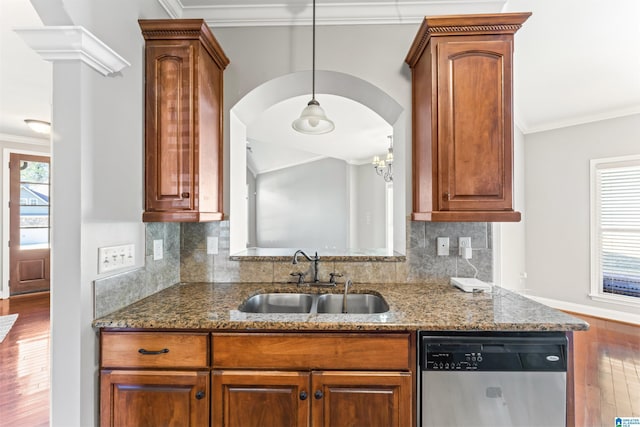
(446, 361)
(490, 354)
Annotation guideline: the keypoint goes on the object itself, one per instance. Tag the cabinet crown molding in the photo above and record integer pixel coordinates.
(451, 25)
(185, 29)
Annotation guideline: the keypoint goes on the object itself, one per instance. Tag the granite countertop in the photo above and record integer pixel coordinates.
(429, 306)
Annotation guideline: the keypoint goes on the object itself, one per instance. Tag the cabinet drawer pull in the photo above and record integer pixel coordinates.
(318, 394)
(446, 196)
(185, 195)
(200, 395)
(303, 395)
(152, 352)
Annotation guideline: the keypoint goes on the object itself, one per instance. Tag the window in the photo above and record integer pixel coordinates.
(615, 229)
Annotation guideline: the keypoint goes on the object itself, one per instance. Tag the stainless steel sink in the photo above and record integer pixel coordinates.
(278, 303)
(314, 303)
(356, 304)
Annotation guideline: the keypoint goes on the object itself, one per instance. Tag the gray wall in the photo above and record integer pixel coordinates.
(557, 198)
(251, 210)
(303, 206)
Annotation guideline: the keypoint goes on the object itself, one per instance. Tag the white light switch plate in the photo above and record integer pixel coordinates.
(157, 250)
(116, 257)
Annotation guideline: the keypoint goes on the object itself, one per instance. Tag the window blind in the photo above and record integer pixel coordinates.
(619, 228)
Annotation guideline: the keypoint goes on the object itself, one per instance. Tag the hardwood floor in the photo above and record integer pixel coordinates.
(607, 368)
(24, 363)
(607, 372)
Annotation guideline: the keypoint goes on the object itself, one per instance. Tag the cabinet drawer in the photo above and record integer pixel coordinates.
(154, 350)
(312, 351)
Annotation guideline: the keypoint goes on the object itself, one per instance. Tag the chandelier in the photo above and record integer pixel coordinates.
(383, 167)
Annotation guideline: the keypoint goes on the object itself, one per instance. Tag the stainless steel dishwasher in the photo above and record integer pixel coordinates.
(497, 379)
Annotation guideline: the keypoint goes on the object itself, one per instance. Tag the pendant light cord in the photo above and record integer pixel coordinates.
(313, 66)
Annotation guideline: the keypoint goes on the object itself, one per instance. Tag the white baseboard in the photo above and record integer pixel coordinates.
(588, 310)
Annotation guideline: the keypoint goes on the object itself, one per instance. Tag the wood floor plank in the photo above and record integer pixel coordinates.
(24, 363)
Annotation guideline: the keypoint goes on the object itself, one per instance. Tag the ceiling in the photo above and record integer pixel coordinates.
(576, 61)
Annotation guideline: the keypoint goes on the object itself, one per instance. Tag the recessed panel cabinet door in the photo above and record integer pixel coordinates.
(169, 126)
(154, 398)
(355, 399)
(260, 399)
(474, 122)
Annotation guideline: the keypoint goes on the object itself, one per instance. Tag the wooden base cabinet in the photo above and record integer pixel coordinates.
(154, 379)
(353, 399)
(253, 379)
(312, 379)
(317, 399)
(154, 398)
(260, 399)
(462, 69)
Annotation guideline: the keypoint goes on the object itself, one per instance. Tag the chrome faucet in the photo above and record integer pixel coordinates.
(347, 285)
(315, 260)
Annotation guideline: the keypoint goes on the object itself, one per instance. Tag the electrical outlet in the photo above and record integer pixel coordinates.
(443, 246)
(157, 250)
(464, 247)
(212, 245)
(116, 257)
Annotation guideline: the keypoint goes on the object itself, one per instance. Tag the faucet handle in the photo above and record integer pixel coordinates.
(332, 277)
(300, 275)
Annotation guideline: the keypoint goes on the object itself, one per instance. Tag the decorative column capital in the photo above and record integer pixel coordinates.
(73, 43)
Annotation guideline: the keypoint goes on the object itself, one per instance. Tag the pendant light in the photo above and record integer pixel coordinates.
(313, 120)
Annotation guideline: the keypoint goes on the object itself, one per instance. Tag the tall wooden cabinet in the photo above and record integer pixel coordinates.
(462, 70)
(183, 121)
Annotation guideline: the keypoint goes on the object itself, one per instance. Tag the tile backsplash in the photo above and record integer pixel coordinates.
(421, 265)
(186, 260)
(115, 292)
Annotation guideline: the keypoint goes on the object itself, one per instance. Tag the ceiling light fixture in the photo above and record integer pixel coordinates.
(313, 120)
(39, 126)
(383, 167)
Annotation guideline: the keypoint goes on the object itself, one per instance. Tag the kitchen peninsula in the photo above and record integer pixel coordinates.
(219, 366)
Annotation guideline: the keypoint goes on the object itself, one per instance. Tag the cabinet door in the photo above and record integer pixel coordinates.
(154, 398)
(260, 399)
(359, 399)
(169, 126)
(474, 124)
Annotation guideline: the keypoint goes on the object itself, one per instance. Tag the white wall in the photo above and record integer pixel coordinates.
(557, 200)
(509, 237)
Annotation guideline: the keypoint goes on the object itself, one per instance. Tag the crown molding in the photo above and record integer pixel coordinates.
(20, 139)
(580, 120)
(348, 13)
(73, 43)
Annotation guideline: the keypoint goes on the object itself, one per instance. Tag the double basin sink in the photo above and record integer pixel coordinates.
(315, 303)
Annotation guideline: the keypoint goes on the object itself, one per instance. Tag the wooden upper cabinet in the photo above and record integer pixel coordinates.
(183, 121)
(462, 72)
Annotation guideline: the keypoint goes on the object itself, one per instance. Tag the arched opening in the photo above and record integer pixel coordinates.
(365, 116)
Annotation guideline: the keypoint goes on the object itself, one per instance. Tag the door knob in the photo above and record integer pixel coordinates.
(303, 395)
(318, 394)
(200, 395)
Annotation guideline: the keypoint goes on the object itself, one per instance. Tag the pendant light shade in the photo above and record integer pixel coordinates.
(313, 120)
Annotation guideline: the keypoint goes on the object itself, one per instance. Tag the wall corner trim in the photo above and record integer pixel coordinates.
(73, 43)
